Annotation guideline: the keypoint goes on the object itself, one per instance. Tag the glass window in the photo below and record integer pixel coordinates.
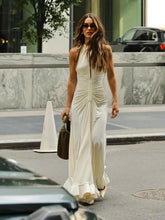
(114, 14)
(153, 36)
(10, 34)
(129, 35)
(127, 14)
(106, 17)
(146, 35)
(141, 35)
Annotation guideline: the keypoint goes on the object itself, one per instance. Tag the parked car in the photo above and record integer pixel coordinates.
(25, 195)
(140, 39)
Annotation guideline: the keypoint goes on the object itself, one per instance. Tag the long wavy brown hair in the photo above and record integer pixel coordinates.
(96, 51)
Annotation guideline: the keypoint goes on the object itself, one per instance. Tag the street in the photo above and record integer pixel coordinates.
(131, 168)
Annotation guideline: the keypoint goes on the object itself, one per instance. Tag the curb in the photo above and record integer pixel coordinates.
(110, 140)
(20, 145)
(133, 139)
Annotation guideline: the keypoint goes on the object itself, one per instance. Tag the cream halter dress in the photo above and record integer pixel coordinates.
(88, 133)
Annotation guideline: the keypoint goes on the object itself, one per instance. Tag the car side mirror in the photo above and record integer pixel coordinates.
(118, 40)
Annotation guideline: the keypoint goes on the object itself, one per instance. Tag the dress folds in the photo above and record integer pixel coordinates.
(88, 133)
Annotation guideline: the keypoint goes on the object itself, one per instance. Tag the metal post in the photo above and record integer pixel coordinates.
(144, 2)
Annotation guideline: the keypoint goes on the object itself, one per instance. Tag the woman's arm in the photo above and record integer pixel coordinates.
(72, 81)
(112, 82)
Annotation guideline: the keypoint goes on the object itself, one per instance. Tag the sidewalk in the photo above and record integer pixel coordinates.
(23, 128)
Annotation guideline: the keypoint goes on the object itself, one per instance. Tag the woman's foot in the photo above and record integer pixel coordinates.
(102, 192)
(87, 199)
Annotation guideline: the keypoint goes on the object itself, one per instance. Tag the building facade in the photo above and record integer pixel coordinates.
(10, 35)
(117, 17)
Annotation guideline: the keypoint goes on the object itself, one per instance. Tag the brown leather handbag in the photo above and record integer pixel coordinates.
(63, 139)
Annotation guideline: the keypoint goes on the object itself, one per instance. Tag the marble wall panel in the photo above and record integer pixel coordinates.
(50, 85)
(124, 83)
(50, 59)
(124, 86)
(26, 82)
(15, 88)
(10, 60)
(141, 57)
(148, 85)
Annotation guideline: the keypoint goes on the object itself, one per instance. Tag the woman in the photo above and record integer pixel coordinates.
(90, 59)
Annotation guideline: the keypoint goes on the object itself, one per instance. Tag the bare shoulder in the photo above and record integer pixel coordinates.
(73, 50)
(73, 53)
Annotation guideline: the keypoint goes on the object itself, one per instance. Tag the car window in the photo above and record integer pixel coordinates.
(154, 36)
(129, 35)
(146, 35)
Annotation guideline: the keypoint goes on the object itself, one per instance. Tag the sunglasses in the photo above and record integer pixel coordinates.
(86, 25)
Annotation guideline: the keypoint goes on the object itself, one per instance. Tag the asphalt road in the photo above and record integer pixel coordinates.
(133, 169)
(33, 124)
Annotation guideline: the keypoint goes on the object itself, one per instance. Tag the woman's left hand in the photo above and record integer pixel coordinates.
(65, 112)
(115, 110)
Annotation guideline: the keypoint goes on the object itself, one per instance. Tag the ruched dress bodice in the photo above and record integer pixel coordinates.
(89, 83)
(87, 138)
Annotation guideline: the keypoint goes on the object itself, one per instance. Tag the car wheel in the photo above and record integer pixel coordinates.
(146, 49)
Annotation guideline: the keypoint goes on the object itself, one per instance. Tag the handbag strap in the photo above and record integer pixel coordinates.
(65, 119)
(66, 123)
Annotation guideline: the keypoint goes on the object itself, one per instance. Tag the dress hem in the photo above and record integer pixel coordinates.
(85, 192)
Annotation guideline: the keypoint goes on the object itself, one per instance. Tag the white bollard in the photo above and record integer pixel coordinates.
(49, 134)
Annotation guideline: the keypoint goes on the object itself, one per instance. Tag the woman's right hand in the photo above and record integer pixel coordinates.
(65, 112)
